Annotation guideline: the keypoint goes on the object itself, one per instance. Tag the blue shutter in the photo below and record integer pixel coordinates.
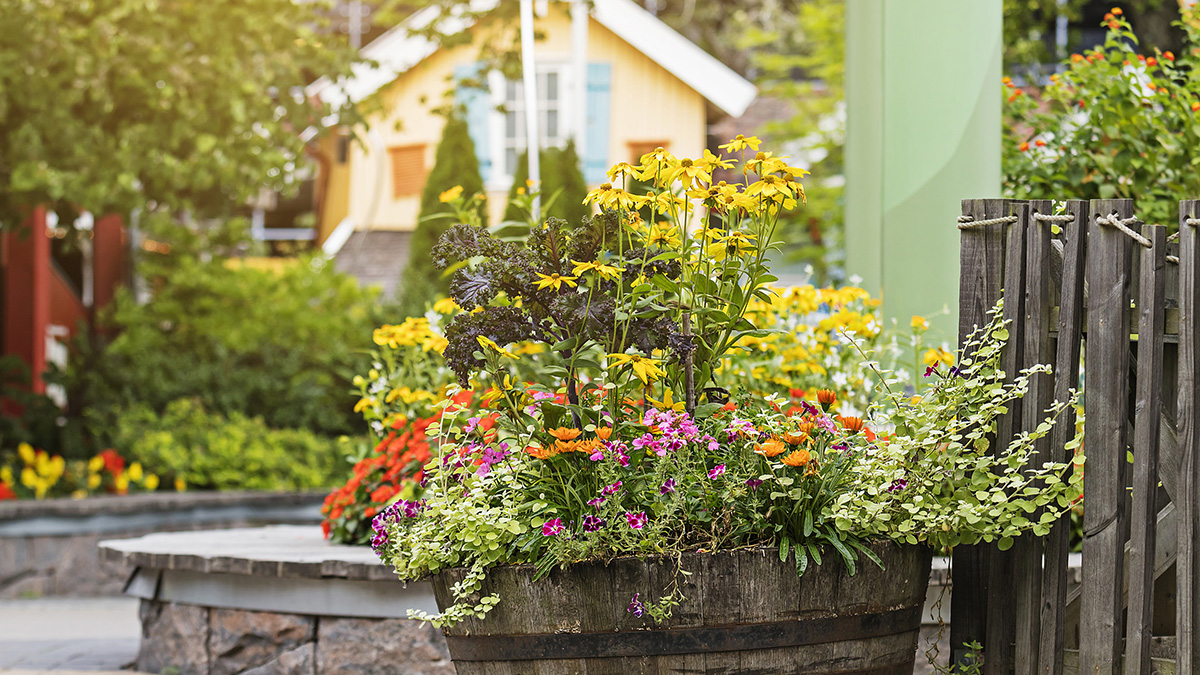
(476, 101)
(599, 103)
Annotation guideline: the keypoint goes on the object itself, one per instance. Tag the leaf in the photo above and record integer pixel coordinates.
(706, 410)
(783, 549)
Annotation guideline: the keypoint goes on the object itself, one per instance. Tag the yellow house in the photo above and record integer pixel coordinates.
(615, 79)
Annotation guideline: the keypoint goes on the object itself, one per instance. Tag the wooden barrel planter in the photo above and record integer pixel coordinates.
(745, 612)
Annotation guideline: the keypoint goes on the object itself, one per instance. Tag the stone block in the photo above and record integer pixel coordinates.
(239, 639)
(173, 637)
(299, 661)
(371, 646)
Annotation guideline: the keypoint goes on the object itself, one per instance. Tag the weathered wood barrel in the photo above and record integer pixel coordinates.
(745, 612)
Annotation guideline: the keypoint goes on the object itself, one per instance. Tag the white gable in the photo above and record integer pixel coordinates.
(397, 50)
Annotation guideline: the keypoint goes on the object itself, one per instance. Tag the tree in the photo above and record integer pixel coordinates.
(114, 105)
(454, 164)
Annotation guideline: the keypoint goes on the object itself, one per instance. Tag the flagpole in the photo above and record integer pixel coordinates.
(529, 78)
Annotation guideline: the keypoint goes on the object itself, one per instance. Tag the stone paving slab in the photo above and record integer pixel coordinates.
(68, 634)
(295, 551)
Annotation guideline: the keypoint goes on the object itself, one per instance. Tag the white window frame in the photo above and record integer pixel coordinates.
(501, 178)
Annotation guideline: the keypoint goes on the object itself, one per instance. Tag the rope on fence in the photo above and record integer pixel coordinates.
(1123, 225)
(1045, 218)
(1193, 221)
(967, 222)
(1173, 259)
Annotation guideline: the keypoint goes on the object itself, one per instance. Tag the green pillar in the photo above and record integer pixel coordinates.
(923, 133)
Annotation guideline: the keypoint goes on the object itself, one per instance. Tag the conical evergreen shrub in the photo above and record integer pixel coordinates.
(560, 169)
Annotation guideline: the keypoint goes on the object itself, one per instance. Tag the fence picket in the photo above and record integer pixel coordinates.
(1038, 348)
(1187, 503)
(981, 269)
(1151, 306)
(1001, 611)
(1106, 438)
(1066, 377)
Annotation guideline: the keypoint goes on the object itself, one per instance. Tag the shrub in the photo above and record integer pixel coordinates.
(208, 450)
(454, 165)
(280, 345)
(563, 186)
(1114, 124)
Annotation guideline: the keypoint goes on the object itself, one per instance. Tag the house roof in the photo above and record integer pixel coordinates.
(399, 49)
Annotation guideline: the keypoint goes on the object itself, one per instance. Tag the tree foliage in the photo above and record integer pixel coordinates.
(562, 181)
(112, 105)
(455, 164)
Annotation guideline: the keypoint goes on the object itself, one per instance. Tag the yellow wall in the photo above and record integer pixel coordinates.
(648, 104)
(335, 204)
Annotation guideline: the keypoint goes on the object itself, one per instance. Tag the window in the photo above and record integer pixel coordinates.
(408, 170)
(553, 116)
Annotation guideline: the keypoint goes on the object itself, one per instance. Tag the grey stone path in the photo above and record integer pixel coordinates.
(68, 634)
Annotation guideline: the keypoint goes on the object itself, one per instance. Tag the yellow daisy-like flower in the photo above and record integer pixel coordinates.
(445, 306)
(151, 482)
(488, 343)
(608, 197)
(920, 323)
(770, 187)
(668, 402)
(664, 236)
(556, 280)
(605, 271)
(25, 450)
(938, 355)
(739, 143)
(645, 368)
(667, 203)
(451, 194)
(622, 169)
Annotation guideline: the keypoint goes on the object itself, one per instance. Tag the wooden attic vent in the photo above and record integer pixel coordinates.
(408, 170)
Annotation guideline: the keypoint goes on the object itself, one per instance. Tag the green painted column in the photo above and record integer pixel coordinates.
(923, 133)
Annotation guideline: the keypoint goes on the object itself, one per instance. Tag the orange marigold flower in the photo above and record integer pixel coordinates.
(826, 398)
(1040, 143)
(565, 433)
(604, 433)
(771, 448)
(1196, 107)
(1117, 11)
(797, 458)
(1023, 146)
(1168, 56)
(851, 424)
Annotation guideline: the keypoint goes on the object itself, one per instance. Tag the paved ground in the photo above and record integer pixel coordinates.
(68, 634)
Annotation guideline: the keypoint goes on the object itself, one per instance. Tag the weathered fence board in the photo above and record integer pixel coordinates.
(1187, 571)
(1152, 320)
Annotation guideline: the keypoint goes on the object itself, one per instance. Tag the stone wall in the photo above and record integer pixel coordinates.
(193, 640)
(48, 548)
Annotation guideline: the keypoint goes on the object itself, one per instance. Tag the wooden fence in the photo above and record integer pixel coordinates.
(1093, 279)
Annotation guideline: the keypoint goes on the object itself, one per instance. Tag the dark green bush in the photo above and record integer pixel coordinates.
(454, 164)
(215, 452)
(281, 345)
(563, 186)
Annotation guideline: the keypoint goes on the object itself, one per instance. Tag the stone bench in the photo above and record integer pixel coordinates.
(277, 599)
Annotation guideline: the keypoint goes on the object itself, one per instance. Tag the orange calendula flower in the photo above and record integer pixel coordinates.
(851, 424)
(771, 448)
(807, 428)
(795, 437)
(797, 458)
(826, 397)
(604, 433)
(539, 452)
(565, 433)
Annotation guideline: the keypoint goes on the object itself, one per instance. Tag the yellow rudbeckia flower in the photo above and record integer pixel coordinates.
(556, 280)
(646, 369)
(488, 343)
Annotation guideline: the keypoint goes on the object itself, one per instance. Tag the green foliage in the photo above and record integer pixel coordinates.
(282, 345)
(455, 164)
(1114, 124)
(123, 104)
(562, 189)
(210, 451)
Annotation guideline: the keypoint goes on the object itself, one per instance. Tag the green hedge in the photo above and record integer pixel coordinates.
(214, 452)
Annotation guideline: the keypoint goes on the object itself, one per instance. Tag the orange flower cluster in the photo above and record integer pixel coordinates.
(567, 440)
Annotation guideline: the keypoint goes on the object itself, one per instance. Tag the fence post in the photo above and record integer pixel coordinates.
(1187, 566)
(1105, 437)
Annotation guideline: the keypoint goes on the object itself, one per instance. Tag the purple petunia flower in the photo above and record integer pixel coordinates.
(930, 370)
(636, 606)
(551, 528)
(636, 520)
(716, 471)
(611, 489)
(753, 483)
(898, 485)
(592, 523)
(668, 487)
(595, 503)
